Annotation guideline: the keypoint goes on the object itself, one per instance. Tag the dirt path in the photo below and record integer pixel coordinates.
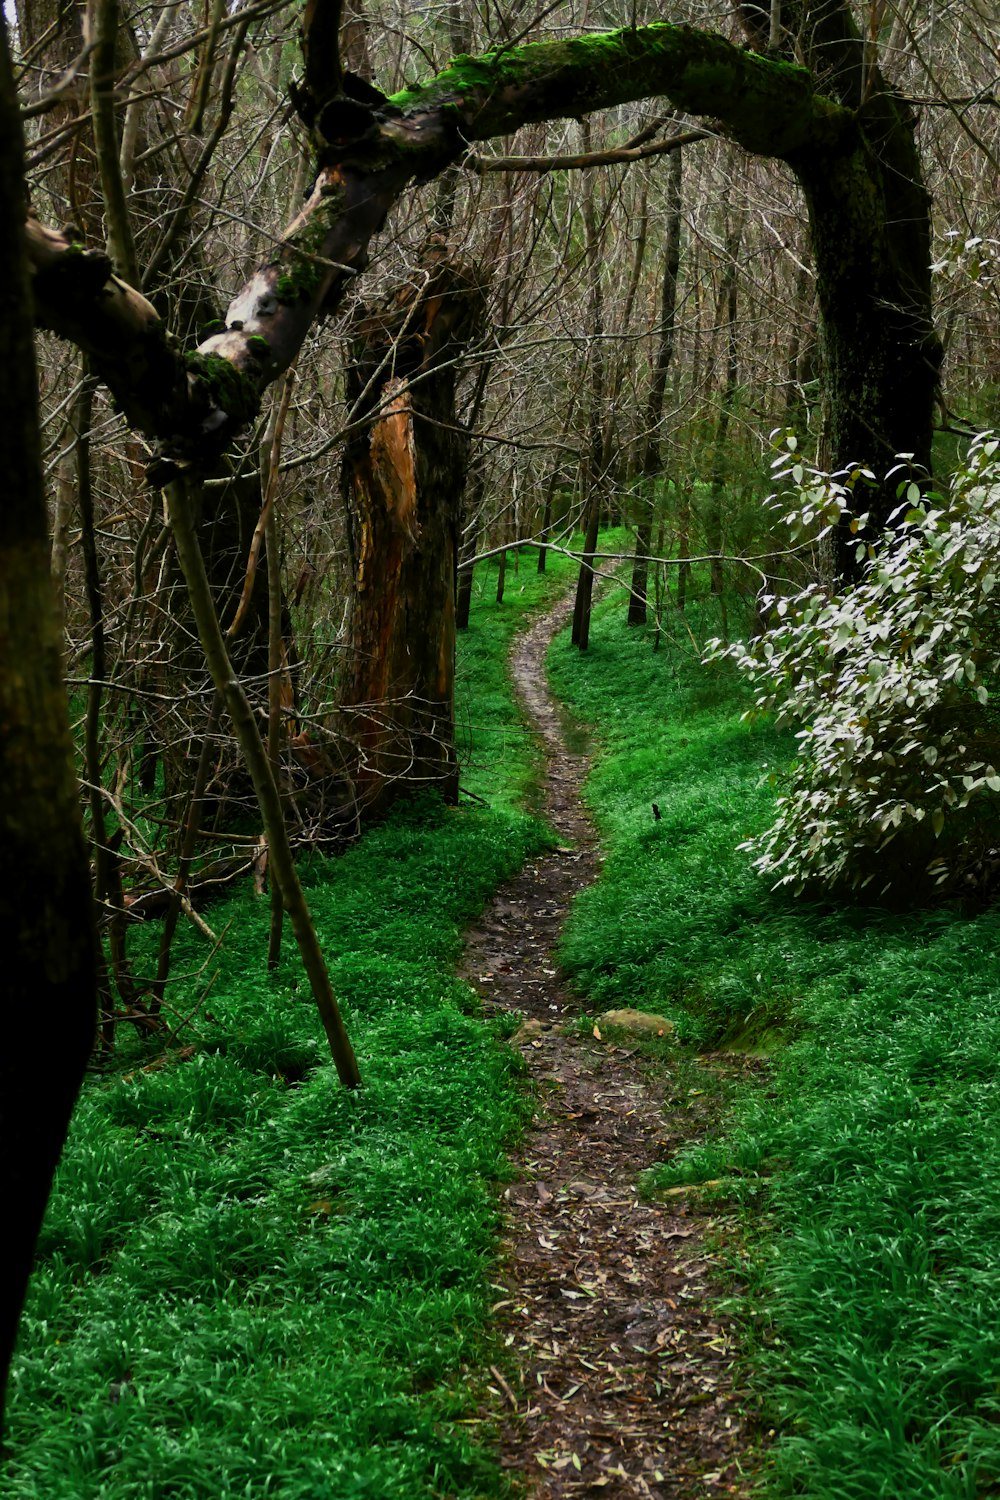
(625, 1371)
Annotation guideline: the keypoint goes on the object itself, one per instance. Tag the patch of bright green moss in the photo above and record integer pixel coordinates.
(229, 389)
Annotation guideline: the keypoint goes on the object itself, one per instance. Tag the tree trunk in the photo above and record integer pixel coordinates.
(463, 587)
(403, 481)
(870, 218)
(725, 316)
(652, 460)
(46, 912)
(580, 636)
(869, 215)
(472, 499)
(592, 470)
(683, 546)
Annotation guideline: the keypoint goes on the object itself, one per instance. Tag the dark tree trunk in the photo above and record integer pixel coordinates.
(683, 547)
(592, 473)
(46, 913)
(546, 526)
(585, 586)
(404, 478)
(869, 215)
(470, 512)
(726, 316)
(501, 573)
(463, 587)
(652, 460)
(802, 351)
(869, 212)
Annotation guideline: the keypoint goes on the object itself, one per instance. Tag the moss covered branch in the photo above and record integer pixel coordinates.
(766, 105)
(194, 405)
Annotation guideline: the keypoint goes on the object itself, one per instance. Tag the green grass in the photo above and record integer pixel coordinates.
(869, 1161)
(250, 1282)
(501, 763)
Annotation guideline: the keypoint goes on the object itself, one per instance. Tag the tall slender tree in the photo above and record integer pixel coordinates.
(46, 916)
(652, 460)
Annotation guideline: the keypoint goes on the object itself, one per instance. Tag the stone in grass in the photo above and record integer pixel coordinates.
(645, 1022)
(528, 1031)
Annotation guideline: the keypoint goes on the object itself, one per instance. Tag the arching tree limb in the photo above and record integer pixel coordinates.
(193, 404)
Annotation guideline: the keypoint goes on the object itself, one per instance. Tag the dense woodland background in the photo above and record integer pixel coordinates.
(629, 336)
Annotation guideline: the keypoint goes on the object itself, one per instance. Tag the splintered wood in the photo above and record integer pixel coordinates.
(622, 1379)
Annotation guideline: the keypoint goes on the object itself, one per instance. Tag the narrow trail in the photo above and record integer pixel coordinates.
(625, 1384)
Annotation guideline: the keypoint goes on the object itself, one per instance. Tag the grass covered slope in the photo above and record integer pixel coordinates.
(250, 1282)
(875, 1150)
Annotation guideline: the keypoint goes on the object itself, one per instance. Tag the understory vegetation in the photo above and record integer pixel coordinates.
(868, 1163)
(254, 1282)
(888, 687)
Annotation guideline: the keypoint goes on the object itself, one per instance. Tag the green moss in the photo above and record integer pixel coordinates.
(696, 55)
(298, 283)
(227, 387)
(768, 105)
(303, 266)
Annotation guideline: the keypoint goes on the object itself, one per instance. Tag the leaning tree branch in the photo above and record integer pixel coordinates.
(105, 21)
(368, 149)
(282, 863)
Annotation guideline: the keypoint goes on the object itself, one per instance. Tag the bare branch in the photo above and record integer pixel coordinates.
(610, 158)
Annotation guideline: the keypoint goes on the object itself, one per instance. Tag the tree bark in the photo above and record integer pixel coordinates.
(592, 476)
(725, 318)
(404, 476)
(46, 912)
(466, 568)
(652, 464)
(869, 213)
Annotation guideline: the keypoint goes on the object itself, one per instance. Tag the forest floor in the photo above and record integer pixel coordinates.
(623, 1378)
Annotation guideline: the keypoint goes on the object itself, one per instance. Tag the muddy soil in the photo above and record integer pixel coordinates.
(623, 1379)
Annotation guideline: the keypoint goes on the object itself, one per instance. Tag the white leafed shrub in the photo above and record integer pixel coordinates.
(889, 684)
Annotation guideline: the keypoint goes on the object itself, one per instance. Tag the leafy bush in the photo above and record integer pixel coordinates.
(891, 684)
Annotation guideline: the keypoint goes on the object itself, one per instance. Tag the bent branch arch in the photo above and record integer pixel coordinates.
(192, 404)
